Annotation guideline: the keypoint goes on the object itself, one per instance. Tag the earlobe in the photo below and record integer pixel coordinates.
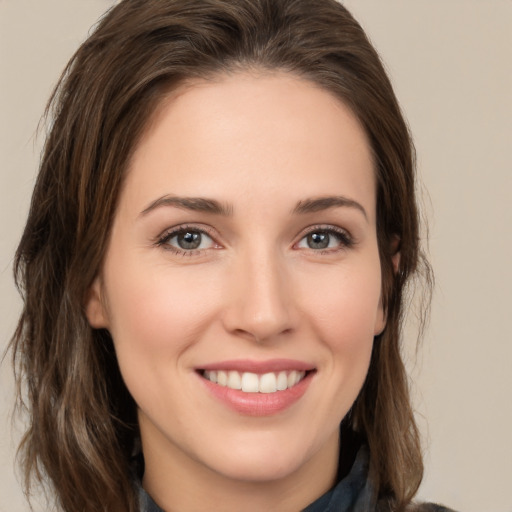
(396, 262)
(380, 321)
(395, 251)
(94, 306)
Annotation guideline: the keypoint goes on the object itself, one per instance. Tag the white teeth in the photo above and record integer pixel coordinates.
(282, 381)
(268, 383)
(234, 380)
(250, 382)
(211, 376)
(254, 383)
(222, 378)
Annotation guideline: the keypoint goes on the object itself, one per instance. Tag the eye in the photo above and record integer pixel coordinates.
(186, 240)
(325, 239)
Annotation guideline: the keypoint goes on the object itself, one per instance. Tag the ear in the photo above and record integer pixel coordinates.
(95, 307)
(395, 251)
(395, 259)
(380, 319)
(380, 322)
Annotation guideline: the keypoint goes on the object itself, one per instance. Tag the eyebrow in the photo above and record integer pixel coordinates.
(324, 203)
(196, 204)
(202, 204)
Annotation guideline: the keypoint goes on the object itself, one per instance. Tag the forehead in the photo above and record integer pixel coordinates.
(245, 134)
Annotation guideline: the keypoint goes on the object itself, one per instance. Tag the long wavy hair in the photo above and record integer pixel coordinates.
(81, 420)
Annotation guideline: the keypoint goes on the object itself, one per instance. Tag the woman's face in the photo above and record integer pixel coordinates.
(244, 254)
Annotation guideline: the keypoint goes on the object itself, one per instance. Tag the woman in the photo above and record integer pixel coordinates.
(214, 267)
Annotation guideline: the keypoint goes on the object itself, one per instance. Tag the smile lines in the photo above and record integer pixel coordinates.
(249, 382)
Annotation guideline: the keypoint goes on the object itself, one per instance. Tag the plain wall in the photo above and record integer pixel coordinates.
(451, 64)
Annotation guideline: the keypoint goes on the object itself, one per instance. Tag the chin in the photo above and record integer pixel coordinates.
(266, 458)
(260, 469)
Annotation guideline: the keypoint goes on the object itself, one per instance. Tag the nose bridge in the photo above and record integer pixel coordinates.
(262, 302)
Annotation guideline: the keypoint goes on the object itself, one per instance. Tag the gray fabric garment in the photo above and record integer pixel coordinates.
(146, 503)
(354, 493)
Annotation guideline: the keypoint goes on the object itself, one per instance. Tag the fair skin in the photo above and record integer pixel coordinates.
(277, 272)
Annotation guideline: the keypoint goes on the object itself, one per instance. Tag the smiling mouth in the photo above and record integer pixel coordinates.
(249, 382)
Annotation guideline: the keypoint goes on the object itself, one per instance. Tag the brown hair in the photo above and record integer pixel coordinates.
(82, 420)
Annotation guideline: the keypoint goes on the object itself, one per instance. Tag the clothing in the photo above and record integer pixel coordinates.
(354, 493)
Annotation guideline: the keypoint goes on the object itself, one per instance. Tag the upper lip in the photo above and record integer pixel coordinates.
(248, 365)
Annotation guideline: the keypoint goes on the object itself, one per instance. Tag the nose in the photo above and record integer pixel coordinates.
(261, 300)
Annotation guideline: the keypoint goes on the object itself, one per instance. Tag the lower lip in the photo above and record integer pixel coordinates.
(258, 404)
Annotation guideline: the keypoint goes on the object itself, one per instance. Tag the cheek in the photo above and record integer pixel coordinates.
(155, 317)
(347, 332)
(346, 308)
(156, 314)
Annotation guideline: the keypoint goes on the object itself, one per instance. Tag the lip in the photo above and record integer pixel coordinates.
(260, 367)
(258, 404)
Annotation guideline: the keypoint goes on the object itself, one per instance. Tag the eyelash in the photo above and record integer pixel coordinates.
(163, 240)
(344, 238)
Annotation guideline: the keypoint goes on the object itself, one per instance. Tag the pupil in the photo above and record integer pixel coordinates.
(189, 240)
(318, 240)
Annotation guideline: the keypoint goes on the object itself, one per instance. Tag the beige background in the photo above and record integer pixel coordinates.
(451, 63)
